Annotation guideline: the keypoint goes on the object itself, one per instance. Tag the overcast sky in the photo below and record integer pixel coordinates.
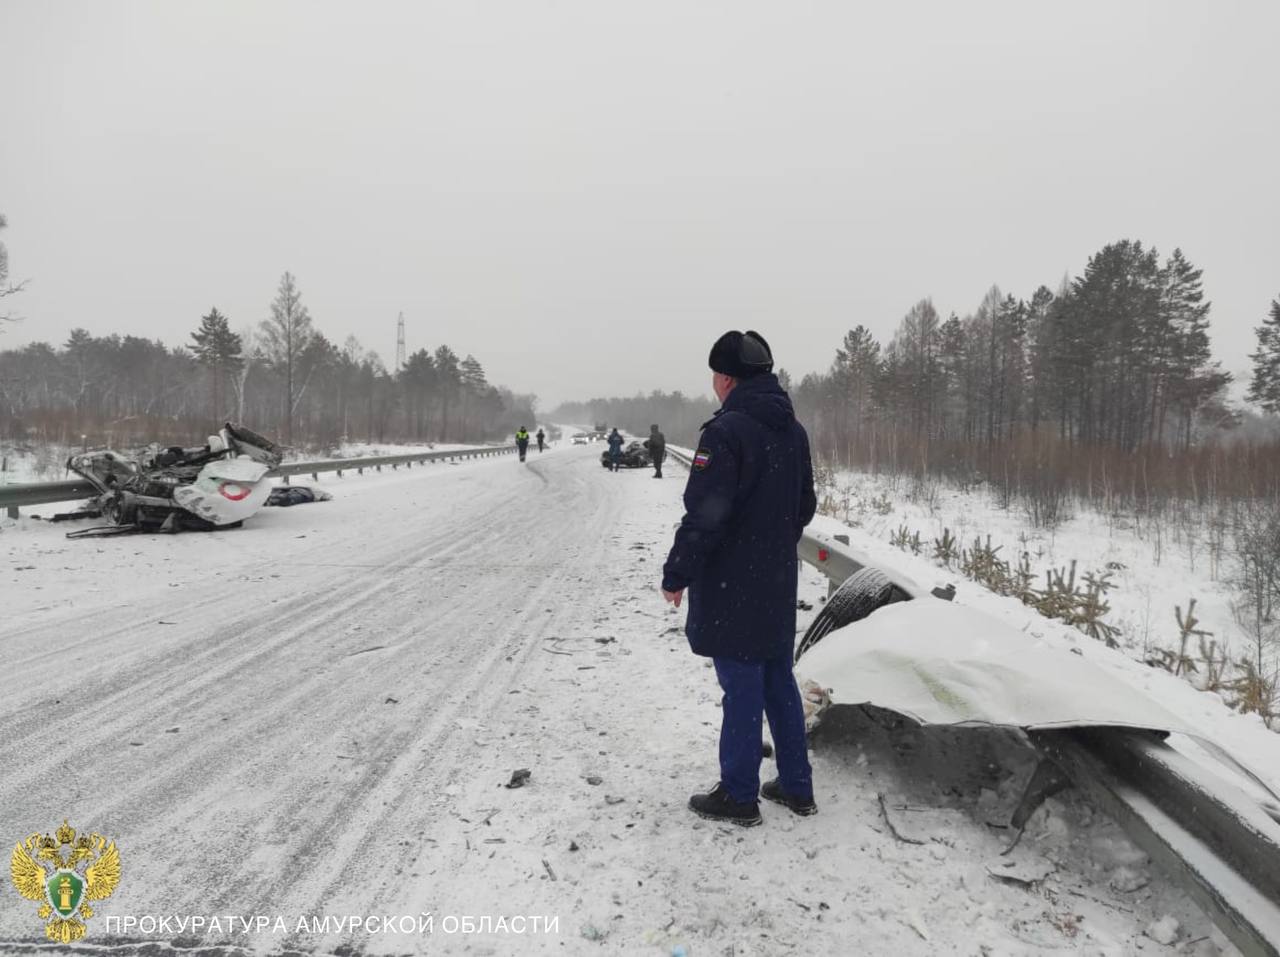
(585, 194)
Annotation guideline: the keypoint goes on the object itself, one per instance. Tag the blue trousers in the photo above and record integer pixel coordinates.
(750, 688)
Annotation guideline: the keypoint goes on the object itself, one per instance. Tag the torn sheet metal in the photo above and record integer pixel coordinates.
(942, 663)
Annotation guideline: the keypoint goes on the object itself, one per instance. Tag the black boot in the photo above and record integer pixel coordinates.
(772, 791)
(716, 805)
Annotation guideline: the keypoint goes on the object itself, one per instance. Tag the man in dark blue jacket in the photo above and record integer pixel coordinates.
(749, 497)
(615, 450)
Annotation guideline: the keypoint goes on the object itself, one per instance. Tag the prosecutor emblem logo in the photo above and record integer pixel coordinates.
(80, 869)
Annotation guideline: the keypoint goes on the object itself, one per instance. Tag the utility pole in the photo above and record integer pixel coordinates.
(401, 358)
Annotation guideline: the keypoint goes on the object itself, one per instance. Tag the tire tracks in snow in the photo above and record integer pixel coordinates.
(258, 704)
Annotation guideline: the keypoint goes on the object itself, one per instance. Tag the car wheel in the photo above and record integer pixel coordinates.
(862, 593)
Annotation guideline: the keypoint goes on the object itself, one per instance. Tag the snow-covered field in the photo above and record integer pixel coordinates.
(33, 463)
(316, 715)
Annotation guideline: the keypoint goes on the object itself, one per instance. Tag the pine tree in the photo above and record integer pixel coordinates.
(951, 355)
(219, 350)
(1193, 378)
(284, 338)
(1264, 388)
(986, 325)
(854, 372)
(1011, 335)
(418, 379)
(473, 387)
(1115, 305)
(449, 380)
(1039, 355)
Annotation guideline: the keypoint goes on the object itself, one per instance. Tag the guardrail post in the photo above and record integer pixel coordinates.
(13, 511)
(360, 471)
(315, 476)
(339, 473)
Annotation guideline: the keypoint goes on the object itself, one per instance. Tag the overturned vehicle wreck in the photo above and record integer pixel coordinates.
(216, 485)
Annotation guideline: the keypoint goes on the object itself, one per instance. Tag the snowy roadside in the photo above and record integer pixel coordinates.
(360, 450)
(618, 723)
(1142, 585)
(1156, 566)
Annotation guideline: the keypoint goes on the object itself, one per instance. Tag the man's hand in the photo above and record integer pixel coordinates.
(675, 597)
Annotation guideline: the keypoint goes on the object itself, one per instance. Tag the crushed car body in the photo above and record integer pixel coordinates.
(941, 663)
(216, 485)
(634, 456)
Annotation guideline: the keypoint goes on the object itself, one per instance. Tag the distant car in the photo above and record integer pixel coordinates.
(581, 438)
(634, 456)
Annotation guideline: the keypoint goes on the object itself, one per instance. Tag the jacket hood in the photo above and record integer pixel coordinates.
(763, 398)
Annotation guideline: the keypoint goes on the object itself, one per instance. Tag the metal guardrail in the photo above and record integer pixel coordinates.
(376, 462)
(13, 497)
(1217, 843)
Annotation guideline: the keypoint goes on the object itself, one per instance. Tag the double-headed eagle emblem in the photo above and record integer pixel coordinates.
(82, 869)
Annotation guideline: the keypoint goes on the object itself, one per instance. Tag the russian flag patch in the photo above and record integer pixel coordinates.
(701, 459)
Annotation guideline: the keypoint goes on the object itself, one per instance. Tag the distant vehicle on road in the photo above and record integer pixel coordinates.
(581, 438)
(634, 456)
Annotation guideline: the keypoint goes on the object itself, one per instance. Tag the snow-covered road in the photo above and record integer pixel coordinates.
(314, 716)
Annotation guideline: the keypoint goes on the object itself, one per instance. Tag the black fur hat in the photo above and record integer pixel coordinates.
(741, 355)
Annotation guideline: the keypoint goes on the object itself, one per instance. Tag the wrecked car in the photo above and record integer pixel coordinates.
(634, 456)
(216, 485)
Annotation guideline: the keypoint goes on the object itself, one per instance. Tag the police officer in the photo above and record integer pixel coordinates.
(656, 443)
(522, 441)
(542, 438)
(750, 495)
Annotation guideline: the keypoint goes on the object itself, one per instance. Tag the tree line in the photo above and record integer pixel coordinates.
(282, 377)
(679, 416)
(1117, 356)
(1104, 387)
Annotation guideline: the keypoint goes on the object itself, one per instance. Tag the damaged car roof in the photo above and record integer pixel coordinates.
(941, 663)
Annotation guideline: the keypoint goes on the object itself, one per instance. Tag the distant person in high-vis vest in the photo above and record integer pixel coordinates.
(522, 441)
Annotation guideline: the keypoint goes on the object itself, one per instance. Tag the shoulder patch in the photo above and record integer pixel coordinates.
(701, 459)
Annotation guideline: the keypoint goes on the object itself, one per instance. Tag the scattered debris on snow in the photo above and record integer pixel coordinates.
(1163, 931)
